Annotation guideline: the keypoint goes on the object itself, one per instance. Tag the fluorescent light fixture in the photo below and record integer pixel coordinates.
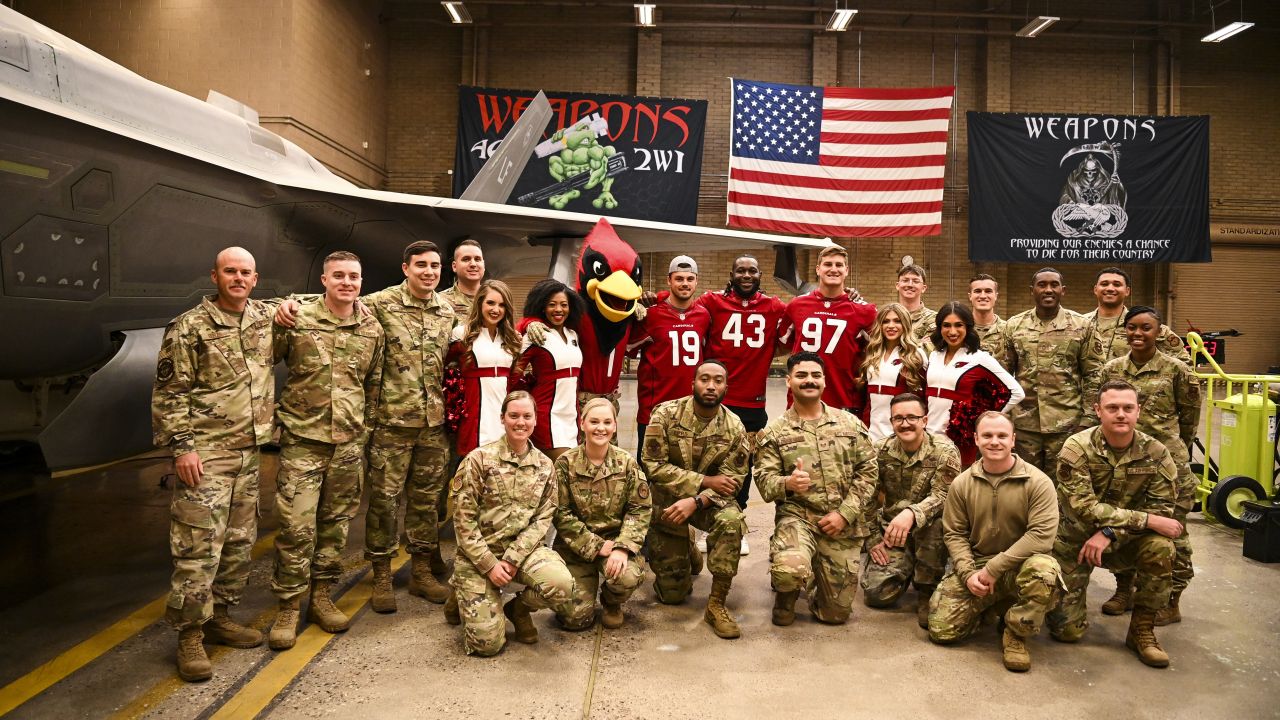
(840, 19)
(458, 13)
(644, 14)
(1226, 31)
(1037, 26)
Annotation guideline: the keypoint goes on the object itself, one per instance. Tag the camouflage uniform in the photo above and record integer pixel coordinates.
(1054, 362)
(841, 463)
(1100, 487)
(994, 339)
(459, 301)
(409, 449)
(503, 505)
(599, 503)
(1171, 399)
(1110, 341)
(214, 395)
(1006, 524)
(679, 450)
(327, 408)
(923, 321)
(917, 482)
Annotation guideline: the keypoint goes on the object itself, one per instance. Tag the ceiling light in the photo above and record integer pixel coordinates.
(1226, 31)
(644, 14)
(458, 14)
(1037, 26)
(840, 19)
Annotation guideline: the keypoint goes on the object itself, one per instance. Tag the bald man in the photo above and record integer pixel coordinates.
(212, 408)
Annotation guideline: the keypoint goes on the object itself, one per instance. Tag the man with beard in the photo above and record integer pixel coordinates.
(817, 464)
(1050, 353)
(695, 453)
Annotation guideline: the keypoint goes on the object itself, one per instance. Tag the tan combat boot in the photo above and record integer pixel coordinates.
(518, 613)
(193, 663)
(284, 630)
(1142, 639)
(923, 593)
(1016, 656)
(383, 599)
(1122, 601)
(611, 617)
(784, 607)
(323, 612)
(717, 615)
(1169, 614)
(451, 614)
(423, 584)
(221, 629)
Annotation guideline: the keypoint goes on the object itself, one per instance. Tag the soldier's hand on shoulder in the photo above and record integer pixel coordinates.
(1167, 527)
(536, 332)
(189, 468)
(798, 481)
(287, 313)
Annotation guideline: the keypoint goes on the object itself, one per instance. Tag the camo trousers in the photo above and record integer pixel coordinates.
(547, 582)
(409, 462)
(921, 561)
(212, 528)
(669, 549)
(802, 556)
(954, 612)
(317, 495)
(587, 584)
(1150, 555)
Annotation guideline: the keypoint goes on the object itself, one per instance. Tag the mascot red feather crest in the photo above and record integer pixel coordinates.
(609, 275)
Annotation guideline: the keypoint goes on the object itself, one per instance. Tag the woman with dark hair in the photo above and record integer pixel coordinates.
(892, 364)
(963, 380)
(1171, 401)
(485, 344)
(550, 371)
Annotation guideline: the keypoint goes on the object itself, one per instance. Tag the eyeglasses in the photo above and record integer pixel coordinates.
(910, 419)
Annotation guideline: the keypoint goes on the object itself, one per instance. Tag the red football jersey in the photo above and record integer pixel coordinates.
(671, 349)
(742, 336)
(830, 327)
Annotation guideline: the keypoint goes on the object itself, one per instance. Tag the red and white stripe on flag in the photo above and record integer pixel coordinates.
(846, 162)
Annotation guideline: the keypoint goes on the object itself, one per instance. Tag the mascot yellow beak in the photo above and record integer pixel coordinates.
(615, 296)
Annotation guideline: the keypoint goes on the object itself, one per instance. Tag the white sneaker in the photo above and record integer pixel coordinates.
(700, 541)
(744, 549)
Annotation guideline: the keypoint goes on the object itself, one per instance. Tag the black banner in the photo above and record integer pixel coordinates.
(641, 156)
(1088, 188)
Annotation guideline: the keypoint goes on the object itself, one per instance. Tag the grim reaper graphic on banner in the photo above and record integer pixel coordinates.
(1093, 198)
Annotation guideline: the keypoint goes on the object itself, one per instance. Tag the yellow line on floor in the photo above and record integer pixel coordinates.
(591, 679)
(42, 678)
(272, 679)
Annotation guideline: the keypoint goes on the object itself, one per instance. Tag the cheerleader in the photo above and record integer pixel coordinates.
(550, 371)
(485, 344)
(963, 380)
(893, 364)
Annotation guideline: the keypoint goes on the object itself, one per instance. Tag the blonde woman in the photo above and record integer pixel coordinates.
(893, 363)
(602, 519)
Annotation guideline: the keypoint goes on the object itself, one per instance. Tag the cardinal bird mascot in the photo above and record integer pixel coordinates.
(609, 285)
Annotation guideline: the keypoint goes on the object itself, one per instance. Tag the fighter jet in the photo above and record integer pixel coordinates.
(117, 192)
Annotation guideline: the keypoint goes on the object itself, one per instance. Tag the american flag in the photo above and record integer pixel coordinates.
(847, 162)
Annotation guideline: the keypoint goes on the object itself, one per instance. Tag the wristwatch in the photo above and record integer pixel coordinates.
(697, 501)
(1109, 533)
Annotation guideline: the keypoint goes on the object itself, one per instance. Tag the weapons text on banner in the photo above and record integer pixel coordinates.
(848, 162)
(1088, 188)
(616, 155)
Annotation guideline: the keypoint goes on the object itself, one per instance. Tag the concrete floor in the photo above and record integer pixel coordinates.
(84, 568)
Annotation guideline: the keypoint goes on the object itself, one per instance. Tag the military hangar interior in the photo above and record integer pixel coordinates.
(371, 90)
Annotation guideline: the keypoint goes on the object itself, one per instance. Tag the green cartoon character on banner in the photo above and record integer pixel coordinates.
(579, 162)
